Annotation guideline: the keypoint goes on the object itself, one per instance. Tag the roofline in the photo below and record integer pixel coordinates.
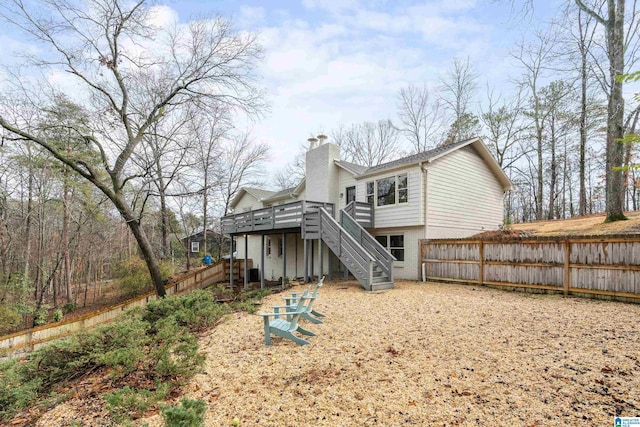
(351, 171)
(243, 190)
(477, 143)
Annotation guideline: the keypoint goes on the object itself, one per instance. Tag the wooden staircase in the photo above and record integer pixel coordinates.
(369, 262)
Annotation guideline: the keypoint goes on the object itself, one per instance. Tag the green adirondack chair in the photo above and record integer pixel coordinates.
(293, 299)
(286, 327)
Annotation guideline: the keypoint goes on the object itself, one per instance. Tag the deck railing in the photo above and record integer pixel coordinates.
(361, 212)
(288, 215)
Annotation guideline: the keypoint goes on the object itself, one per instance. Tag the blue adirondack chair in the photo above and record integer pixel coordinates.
(293, 299)
(286, 327)
(291, 303)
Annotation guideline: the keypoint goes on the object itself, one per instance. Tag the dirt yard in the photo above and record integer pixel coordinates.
(582, 226)
(421, 354)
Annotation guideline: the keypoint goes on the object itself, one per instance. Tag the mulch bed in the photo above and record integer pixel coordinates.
(420, 354)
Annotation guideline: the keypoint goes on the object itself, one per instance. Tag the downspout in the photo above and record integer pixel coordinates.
(423, 169)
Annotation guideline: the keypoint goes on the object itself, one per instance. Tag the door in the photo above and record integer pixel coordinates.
(351, 195)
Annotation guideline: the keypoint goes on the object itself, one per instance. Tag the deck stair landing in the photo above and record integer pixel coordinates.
(369, 262)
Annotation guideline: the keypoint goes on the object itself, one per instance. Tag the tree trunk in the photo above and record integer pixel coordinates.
(582, 203)
(143, 243)
(615, 132)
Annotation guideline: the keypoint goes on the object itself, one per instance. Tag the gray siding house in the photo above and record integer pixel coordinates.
(368, 221)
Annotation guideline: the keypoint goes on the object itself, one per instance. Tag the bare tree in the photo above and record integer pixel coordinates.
(503, 122)
(612, 19)
(240, 165)
(420, 117)
(458, 87)
(133, 75)
(368, 143)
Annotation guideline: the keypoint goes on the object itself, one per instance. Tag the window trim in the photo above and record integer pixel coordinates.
(397, 191)
(195, 245)
(388, 246)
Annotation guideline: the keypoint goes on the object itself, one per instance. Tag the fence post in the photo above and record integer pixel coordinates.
(481, 263)
(567, 266)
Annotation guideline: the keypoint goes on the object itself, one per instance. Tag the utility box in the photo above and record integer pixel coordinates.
(254, 275)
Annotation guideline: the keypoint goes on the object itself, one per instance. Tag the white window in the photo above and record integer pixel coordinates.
(195, 246)
(370, 192)
(269, 247)
(274, 246)
(394, 243)
(388, 191)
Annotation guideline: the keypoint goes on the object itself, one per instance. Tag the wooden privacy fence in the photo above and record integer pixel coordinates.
(598, 266)
(25, 341)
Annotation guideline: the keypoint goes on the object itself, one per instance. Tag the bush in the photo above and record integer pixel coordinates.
(195, 310)
(189, 413)
(151, 342)
(9, 318)
(57, 315)
(16, 390)
(68, 308)
(128, 402)
(41, 316)
(133, 275)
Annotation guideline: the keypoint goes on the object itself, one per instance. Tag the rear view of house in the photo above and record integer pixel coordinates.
(367, 221)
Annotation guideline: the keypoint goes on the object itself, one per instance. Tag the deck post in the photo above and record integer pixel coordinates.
(330, 265)
(284, 257)
(231, 265)
(321, 263)
(346, 271)
(246, 261)
(262, 263)
(311, 261)
(304, 259)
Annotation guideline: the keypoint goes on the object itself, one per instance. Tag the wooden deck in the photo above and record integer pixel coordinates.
(278, 217)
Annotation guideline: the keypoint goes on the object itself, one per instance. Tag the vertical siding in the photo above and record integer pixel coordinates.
(399, 215)
(463, 196)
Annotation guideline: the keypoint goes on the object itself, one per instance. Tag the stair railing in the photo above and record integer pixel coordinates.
(347, 249)
(382, 256)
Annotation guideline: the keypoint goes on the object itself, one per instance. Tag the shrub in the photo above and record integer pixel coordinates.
(155, 340)
(16, 390)
(128, 402)
(68, 308)
(9, 318)
(189, 413)
(57, 315)
(41, 316)
(133, 275)
(195, 310)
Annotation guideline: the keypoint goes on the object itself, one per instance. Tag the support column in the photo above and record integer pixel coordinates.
(311, 261)
(330, 265)
(320, 270)
(262, 263)
(346, 271)
(284, 257)
(304, 261)
(246, 262)
(231, 266)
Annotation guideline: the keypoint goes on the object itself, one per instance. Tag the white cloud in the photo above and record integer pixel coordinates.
(161, 16)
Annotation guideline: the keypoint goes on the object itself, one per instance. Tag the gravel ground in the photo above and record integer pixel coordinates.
(422, 354)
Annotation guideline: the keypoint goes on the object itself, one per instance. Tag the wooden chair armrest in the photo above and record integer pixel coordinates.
(285, 313)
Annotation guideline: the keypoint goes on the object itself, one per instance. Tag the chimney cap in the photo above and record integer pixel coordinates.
(322, 138)
(312, 140)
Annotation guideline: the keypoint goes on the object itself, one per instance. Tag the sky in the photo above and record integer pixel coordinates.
(333, 62)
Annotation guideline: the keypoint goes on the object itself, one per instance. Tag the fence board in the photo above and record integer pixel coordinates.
(598, 266)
